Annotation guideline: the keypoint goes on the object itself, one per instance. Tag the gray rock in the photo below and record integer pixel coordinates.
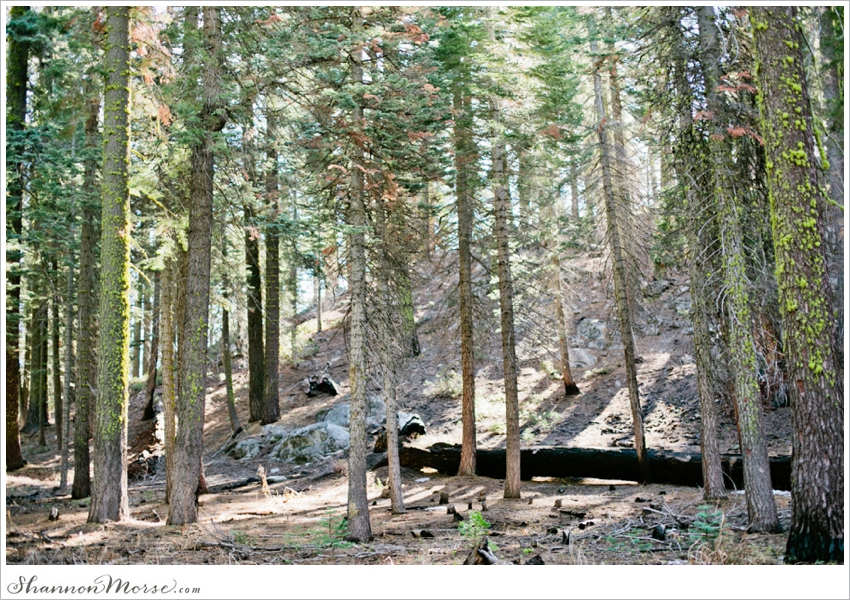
(683, 305)
(272, 433)
(340, 414)
(656, 288)
(581, 358)
(311, 443)
(245, 449)
(592, 329)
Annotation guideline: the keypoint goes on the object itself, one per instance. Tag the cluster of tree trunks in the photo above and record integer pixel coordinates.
(673, 468)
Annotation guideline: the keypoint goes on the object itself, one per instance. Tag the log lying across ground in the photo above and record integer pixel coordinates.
(672, 468)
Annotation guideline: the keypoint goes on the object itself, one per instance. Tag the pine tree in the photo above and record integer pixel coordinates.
(798, 203)
(109, 485)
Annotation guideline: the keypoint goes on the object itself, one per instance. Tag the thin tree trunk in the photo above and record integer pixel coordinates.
(43, 372)
(54, 361)
(188, 468)
(359, 525)
(16, 110)
(292, 292)
(271, 396)
(136, 366)
(66, 387)
(805, 296)
(574, 192)
(153, 347)
(168, 383)
(761, 507)
(427, 222)
(463, 161)
(256, 359)
(109, 484)
(87, 332)
(689, 162)
(570, 387)
(318, 292)
(235, 425)
(619, 269)
(501, 207)
(38, 369)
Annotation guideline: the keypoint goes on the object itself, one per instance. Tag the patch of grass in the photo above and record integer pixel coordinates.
(550, 369)
(448, 383)
(497, 428)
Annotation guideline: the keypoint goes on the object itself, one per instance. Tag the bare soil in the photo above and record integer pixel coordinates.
(299, 520)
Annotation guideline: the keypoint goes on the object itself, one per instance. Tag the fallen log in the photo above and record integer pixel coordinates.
(675, 468)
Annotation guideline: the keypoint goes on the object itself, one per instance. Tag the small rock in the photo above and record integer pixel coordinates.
(457, 517)
(54, 514)
(535, 560)
(558, 503)
(444, 497)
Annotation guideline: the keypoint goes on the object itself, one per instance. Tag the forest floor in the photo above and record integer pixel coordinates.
(298, 520)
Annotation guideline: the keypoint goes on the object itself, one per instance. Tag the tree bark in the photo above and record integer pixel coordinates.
(359, 525)
(464, 158)
(109, 484)
(54, 359)
(66, 386)
(672, 468)
(188, 455)
(798, 205)
(136, 345)
(38, 367)
(168, 383)
(761, 506)
(87, 332)
(16, 110)
(619, 268)
(570, 386)
(153, 347)
(574, 191)
(256, 364)
(689, 163)
(501, 206)
(271, 396)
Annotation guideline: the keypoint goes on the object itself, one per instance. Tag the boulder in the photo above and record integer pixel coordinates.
(311, 443)
(245, 449)
(592, 329)
(683, 305)
(273, 433)
(581, 359)
(340, 414)
(656, 288)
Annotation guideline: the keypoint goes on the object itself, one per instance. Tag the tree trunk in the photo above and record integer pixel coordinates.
(464, 159)
(188, 455)
(570, 387)
(805, 296)
(43, 372)
(109, 484)
(136, 366)
(168, 383)
(672, 468)
(760, 503)
(501, 207)
(235, 425)
(292, 292)
(271, 396)
(410, 339)
(317, 283)
(256, 364)
(54, 360)
(87, 332)
(66, 387)
(359, 525)
(153, 347)
(574, 192)
(16, 110)
(689, 162)
(619, 268)
(38, 368)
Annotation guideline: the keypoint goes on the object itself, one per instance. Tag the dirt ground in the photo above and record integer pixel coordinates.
(298, 520)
